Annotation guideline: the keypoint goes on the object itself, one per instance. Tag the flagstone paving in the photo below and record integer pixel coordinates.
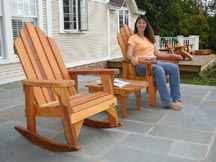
(152, 134)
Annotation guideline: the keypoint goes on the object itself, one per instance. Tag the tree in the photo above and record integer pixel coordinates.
(180, 17)
(197, 24)
(212, 32)
(164, 15)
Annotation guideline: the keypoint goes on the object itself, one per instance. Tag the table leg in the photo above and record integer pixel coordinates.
(138, 99)
(123, 100)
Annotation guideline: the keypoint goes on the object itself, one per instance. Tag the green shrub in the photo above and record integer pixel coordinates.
(208, 77)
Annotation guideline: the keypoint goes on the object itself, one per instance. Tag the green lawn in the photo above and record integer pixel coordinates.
(208, 77)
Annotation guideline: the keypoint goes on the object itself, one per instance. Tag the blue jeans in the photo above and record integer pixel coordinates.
(160, 70)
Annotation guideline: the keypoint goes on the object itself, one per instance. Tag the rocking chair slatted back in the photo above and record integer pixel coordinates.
(50, 92)
(45, 65)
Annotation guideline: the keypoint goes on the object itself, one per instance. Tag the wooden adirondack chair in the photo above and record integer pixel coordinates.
(184, 51)
(129, 71)
(188, 48)
(50, 91)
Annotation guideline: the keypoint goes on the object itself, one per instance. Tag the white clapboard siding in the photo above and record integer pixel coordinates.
(88, 45)
(11, 72)
(115, 50)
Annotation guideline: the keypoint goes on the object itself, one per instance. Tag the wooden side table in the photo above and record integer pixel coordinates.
(122, 93)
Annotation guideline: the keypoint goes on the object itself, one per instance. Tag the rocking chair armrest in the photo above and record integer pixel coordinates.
(48, 83)
(94, 72)
(102, 72)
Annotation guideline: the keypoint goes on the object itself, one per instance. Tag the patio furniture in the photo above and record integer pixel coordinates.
(122, 93)
(188, 47)
(129, 69)
(184, 51)
(50, 91)
(202, 52)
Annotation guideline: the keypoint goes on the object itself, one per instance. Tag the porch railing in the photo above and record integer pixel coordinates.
(192, 39)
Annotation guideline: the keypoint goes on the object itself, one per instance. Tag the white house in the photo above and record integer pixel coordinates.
(85, 30)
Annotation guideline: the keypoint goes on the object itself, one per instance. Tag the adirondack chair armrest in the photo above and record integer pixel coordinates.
(146, 62)
(49, 83)
(148, 66)
(109, 73)
(125, 61)
(171, 60)
(94, 72)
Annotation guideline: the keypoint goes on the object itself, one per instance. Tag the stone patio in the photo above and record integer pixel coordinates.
(153, 134)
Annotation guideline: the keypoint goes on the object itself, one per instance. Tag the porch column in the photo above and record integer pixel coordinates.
(157, 39)
(8, 32)
(180, 39)
(194, 39)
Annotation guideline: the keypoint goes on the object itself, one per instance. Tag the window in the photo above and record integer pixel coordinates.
(75, 15)
(123, 17)
(13, 15)
(23, 11)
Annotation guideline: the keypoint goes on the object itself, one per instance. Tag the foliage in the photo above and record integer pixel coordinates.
(212, 33)
(208, 77)
(182, 17)
(200, 27)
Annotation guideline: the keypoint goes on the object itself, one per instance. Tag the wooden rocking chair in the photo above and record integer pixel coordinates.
(129, 71)
(50, 91)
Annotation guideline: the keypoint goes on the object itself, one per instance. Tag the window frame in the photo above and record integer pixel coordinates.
(24, 17)
(123, 10)
(81, 13)
(8, 14)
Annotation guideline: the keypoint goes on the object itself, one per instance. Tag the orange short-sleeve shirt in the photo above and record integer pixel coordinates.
(142, 47)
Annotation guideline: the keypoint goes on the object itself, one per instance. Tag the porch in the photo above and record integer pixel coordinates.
(188, 68)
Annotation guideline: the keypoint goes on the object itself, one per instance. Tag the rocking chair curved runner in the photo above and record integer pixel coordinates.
(51, 91)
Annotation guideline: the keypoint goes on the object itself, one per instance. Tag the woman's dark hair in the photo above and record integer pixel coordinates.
(149, 33)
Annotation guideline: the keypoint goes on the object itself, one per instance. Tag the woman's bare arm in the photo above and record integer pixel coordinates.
(130, 56)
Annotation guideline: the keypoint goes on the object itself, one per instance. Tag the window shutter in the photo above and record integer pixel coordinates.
(83, 12)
